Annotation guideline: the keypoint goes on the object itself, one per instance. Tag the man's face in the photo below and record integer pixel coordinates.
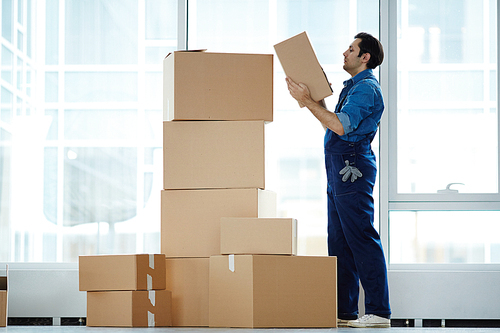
(352, 63)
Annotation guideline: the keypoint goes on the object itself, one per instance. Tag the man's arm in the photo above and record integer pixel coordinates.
(300, 92)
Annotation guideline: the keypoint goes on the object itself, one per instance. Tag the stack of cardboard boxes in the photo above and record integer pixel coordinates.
(230, 261)
(215, 109)
(226, 260)
(126, 290)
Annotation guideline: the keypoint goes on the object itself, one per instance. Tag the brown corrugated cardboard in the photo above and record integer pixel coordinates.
(217, 86)
(187, 278)
(300, 63)
(258, 236)
(3, 308)
(129, 308)
(213, 154)
(3, 301)
(122, 272)
(190, 219)
(272, 291)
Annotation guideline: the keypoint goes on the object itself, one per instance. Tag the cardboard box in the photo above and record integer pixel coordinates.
(3, 301)
(190, 219)
(217, 86)
(129, 308)
(272, 291)
(258, 236)
(213, 154)
(122, 272)
(299, 61)
(187, 278)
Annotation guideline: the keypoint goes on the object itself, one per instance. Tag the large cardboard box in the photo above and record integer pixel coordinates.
(3, 301)
(122, 272)
(213, 154)
(187, 278)
(273, 291)
(190, 219)
(299, 61)
(217, 86)
(258, 236)
(129, 308)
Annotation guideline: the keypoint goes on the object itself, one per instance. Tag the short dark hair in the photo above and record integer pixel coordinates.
(371, 45)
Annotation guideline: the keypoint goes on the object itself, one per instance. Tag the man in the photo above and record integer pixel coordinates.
(351, 172)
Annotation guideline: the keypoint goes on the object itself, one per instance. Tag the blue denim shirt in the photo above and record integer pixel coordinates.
(359, 108)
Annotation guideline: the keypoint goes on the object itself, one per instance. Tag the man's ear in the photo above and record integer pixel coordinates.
(365, 57)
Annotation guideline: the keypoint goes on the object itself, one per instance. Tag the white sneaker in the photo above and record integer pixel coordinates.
(370, 320)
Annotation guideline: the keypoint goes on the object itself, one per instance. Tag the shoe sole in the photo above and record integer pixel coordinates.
(370, 325)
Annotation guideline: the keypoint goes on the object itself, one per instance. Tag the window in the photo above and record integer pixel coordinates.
(444, 193)
(82, 174)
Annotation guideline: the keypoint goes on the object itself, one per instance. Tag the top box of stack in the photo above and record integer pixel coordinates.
(217, 86)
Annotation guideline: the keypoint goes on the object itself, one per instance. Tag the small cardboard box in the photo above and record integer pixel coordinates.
(299, 61)
(217, 86)
(129, 308)
(3, 300)
(122, 272)
(187, 278)
(258, 236)
(272, 291)
(190, 219)
(213, 154)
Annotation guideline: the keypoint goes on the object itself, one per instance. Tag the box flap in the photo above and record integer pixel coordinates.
(198, 50)
(299, 61)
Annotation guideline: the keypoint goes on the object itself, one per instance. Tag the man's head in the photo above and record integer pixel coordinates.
(371, 45)
(365, 52)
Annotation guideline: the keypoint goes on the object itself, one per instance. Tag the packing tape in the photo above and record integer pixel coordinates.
(152, 297)
(152, 261)
(151, 319)
(231, 262)
(149, 282)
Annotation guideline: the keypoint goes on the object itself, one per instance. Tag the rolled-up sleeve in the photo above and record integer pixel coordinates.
(357, 107)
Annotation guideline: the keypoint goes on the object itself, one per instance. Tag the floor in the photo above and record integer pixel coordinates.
(83, 329)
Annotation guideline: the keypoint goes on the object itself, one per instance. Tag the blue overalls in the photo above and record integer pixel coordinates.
(351, 172)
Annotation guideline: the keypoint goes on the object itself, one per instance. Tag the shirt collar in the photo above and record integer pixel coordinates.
(358, 77)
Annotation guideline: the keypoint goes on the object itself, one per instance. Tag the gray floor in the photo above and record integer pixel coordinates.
(83, 329)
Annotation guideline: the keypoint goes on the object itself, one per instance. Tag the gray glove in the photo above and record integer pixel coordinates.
(350, 171)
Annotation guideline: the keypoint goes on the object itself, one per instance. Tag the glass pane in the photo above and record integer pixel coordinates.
(50, 184)
(52, 134)
(99, 185)
(52, 32)
(7, 64)
(6, 100)
(294, 162)
(447, 121)
(100, 87)
(29, 27)
(85, 42)
(7, 19)
(154, 90)
(161, 19)
(51, 87)
(155, 55)
(100, 125)
(444, 237)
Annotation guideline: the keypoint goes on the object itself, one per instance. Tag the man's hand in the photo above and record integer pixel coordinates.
(300, 92)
